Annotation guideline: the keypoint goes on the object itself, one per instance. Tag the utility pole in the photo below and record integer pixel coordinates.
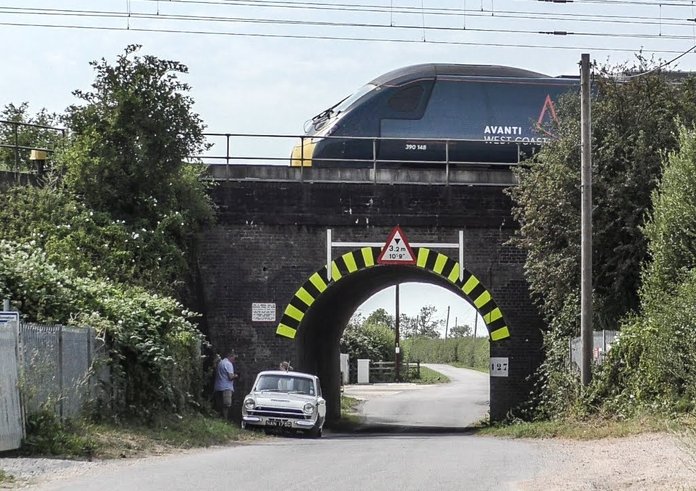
(397, 349)
(586, 334)
(447, 321)
(475, 324)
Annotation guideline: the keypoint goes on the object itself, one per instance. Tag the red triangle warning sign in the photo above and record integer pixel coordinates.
(397, 249)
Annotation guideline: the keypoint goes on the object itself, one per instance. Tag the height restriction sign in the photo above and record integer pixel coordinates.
(397, 250)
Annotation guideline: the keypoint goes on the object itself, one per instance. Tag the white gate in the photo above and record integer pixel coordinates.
(11, 427)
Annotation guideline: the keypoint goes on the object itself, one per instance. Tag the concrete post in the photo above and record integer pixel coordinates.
(363, 371)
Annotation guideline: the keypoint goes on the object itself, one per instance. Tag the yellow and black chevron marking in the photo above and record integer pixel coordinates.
(366, 257)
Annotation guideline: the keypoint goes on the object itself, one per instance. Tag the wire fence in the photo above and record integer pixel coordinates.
(601, 345)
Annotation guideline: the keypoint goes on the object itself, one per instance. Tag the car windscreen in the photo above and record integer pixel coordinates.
(285, 383)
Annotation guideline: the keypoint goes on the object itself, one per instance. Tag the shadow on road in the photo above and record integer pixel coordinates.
(382, 429)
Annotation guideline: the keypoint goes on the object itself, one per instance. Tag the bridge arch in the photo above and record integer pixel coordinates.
(321, 308)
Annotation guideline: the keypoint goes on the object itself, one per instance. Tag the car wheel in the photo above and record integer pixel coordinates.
(315, 432)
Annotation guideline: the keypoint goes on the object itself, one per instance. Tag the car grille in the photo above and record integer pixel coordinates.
(278, 412)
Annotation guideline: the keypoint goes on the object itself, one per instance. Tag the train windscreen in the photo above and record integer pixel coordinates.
(321, 120)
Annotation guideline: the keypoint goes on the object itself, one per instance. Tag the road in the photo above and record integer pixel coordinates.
(405, 447)
(458, 404)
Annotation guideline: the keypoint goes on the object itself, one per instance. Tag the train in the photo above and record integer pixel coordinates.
(435, 114)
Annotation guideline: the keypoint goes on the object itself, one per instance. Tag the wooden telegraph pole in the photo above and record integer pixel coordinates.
(586, 332)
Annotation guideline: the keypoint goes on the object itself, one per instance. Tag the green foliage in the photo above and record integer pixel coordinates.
(654, 361)
(380, 317)
(133, 139)
(92, 243)
(80, 438)
(115, 221)
(422, 325)
(128, 157)
(460, 331)
(635, 124)
(671, 228)
(429, 376)
(46, 435)
(152, 343)
(5, 477)
(26, 136)
(371, 341)
(467, 352)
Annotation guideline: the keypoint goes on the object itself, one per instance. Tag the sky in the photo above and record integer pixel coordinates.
(268, 66)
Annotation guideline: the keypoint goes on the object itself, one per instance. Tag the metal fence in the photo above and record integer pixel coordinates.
(11, 421)
(602, 341)
(51, 368)
(24, 140)
(57, 364)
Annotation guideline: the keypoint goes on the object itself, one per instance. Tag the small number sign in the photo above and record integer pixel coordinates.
(499, 367)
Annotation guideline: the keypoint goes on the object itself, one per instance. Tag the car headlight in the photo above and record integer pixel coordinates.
(249, 403)
(309, 408)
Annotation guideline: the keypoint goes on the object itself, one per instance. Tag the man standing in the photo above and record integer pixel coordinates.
(224, 384)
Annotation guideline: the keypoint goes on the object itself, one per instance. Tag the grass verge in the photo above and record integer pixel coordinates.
(458, 364)
(592, 428)
(84, 439)
(350, 418)
(6, 478)
(429, 376)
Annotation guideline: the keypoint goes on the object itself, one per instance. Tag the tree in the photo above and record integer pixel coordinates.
(128, 156)
(131, 141)
(653, 362)
(362, 339)
(634, 123)
(380, 317)
(422, 325)
(460, 331)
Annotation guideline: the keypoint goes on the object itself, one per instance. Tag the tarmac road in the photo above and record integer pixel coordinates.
(460, 403)
(422, 445)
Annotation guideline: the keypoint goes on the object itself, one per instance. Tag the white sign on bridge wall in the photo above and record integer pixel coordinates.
(263, 312)
(499, 367)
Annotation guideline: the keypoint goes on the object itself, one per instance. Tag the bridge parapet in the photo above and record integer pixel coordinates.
(441, 175)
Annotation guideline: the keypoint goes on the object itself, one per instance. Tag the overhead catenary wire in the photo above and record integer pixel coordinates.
(511, 14)
(332, 38)
(130, 14)
(662, 65)
(167, 19)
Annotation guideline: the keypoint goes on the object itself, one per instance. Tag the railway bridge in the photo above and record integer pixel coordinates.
(264, 287)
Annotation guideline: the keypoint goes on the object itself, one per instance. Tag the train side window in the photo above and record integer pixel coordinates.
(407, 99)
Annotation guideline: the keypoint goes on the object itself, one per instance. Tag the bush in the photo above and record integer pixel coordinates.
(152, 344)
(467, 352)
(46, 435)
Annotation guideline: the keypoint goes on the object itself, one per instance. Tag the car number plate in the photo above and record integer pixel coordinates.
(278, 422)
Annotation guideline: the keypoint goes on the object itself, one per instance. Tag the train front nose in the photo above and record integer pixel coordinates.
(301, 155)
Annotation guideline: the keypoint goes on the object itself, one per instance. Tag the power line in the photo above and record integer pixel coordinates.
(130, 14)
(329, 38)
(662, 65)
(512, 14)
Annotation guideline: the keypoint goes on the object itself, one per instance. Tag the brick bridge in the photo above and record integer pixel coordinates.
(269, 246)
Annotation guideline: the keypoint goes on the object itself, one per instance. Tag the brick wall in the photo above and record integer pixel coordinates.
(270, 237)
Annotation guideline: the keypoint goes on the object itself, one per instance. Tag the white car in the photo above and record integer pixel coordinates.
(286, 401)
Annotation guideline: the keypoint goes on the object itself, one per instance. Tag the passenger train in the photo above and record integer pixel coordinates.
(435, 114)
